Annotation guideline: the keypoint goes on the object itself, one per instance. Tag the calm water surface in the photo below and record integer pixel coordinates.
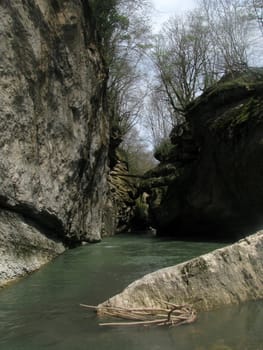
(42, 311)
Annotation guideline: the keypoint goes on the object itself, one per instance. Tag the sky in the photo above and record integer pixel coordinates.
(166, 8)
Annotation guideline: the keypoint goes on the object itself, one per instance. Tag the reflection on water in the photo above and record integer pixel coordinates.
(42, 311)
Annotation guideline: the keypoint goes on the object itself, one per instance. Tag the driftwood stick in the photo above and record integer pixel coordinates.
(175, 315)
(133, 323)
(170, 314)
(89, 306)
(131, 309)
(125, 316)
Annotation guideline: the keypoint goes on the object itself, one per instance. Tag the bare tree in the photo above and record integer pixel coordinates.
(193, 52)
(179, 56)
(127, 42)
(257, 6)
(138, 154)
(158, 116)
(228, 26)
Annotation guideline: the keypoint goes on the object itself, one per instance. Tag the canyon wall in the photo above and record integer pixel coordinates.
(54, 131)
(211, 177)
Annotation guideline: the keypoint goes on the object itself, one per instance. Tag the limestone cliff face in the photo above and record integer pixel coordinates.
(24, 246)
(217, 155)
(229, 275)
(53, 126)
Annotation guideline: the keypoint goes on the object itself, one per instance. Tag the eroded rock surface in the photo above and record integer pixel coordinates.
(229, 275)
(24, 247)
(119, 210)
(53, 127)
(217, 154)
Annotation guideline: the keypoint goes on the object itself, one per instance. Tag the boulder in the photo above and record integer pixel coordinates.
(228, 275)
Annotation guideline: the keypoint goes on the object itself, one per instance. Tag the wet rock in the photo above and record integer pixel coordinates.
(229, 275)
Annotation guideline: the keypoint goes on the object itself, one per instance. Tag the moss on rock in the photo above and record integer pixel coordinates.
(218, 190)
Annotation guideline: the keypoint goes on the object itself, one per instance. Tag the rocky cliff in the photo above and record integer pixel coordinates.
(214, 189)
(53, 131)
(229, 275)
(120, 206)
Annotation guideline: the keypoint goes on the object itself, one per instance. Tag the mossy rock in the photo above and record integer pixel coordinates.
(227, 91)
(251, 109)
(217, 191)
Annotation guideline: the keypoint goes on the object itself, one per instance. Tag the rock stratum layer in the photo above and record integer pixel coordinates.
(53, 131)
(229, 275)
(119, 210)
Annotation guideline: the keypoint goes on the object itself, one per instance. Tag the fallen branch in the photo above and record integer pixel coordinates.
(138, 323)
(173, 315)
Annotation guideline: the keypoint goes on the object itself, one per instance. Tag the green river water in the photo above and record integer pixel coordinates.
(42, 310)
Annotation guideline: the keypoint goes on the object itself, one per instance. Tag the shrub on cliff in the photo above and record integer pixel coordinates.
(163, 150)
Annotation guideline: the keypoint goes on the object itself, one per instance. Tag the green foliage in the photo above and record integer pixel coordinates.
(108, 20)
(138, 156)
(163, 150)
(121, 30)
(139, 161)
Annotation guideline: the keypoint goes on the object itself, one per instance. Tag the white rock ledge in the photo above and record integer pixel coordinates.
(23, 248)
(228, 275)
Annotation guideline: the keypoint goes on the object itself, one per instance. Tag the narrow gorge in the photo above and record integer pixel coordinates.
(207, 187)
(64, 181)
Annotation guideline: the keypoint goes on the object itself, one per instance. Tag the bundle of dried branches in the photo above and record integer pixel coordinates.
(172, 315)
